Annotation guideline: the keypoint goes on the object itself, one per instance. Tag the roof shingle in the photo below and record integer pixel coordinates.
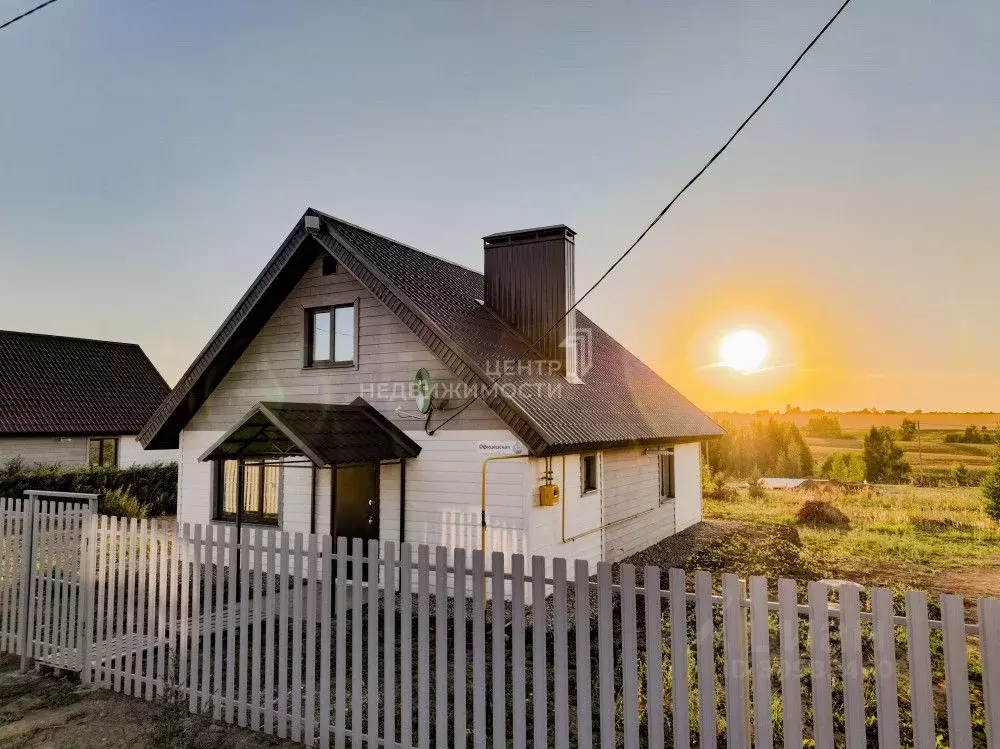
(53, 385)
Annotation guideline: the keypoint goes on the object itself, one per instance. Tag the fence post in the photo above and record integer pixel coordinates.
(27, 542)
(88, 565)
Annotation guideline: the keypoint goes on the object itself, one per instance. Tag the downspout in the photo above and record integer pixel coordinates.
(402, 500)
(482, 521)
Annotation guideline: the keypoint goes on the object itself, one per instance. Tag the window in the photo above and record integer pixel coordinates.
(329, 265)
(331, 337)
(260, 489)
(588, 474)
(668, 480)
(103, 452)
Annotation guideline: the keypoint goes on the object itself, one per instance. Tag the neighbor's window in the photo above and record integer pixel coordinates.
(588, 473)
(260, 486)
(331, 335)
(668, 479)
(103, 452)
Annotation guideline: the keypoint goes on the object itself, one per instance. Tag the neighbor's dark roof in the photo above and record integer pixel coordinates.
(53, 385)
(326, 434)
(621, 401)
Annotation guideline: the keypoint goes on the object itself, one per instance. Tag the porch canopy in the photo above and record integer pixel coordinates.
(326, 434)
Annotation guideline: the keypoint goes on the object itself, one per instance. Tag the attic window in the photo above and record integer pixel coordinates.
(331, 336)
(329, 265)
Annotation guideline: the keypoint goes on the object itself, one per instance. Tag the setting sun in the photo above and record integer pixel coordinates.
(743, 351)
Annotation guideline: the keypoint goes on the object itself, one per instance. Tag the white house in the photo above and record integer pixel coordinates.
(360, 385)
(76, 401)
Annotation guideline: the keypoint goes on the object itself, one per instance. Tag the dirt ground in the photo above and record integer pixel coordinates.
(44, 711)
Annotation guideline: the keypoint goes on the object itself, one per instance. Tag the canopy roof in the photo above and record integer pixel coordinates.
(326, 434)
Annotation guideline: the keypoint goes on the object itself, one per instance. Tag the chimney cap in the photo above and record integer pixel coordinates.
(529, 235)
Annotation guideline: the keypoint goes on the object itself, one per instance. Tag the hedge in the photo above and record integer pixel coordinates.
(154, 485)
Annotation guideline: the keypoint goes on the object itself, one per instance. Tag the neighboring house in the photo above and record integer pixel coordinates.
(299, 413)
(75, 401)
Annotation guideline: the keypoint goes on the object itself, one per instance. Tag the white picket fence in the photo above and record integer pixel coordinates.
(317, 641)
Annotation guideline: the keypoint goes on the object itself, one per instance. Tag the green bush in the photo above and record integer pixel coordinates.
(847, 468)
(153, 485)
(991, 488)
(755, 485)
(121, 504)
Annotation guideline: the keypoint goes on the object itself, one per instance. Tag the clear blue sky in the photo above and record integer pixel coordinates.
(153, 154)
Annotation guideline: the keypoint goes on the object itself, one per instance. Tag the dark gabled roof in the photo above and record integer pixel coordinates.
(620, 402)
(325, 434)
(53, 385)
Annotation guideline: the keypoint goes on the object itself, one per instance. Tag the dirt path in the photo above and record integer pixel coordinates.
(42, 711)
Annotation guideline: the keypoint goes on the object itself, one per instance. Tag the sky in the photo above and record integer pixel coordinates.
(154, 154)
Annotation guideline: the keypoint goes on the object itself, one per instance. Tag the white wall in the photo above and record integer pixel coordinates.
(68, 451)
(130, 453)
(687, 462)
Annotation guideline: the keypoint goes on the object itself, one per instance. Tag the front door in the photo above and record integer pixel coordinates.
(355, 502)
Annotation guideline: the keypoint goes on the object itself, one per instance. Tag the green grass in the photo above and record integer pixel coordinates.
(940, 528)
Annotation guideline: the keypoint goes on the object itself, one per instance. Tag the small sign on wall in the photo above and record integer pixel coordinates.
(500, 447)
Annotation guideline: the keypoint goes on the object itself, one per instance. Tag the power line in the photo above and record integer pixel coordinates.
(26, 13)
(680, 192)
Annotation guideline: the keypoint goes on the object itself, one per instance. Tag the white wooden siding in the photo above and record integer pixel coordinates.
(69, 451)
(130, 453)
(687, 465)
(583, 513)
(390, 354)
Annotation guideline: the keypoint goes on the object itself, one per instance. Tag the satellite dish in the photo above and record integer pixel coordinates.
(422, 387)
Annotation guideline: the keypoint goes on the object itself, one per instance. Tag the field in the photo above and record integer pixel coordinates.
(937, 539)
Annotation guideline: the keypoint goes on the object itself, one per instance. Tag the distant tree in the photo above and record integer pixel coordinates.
(848, 468)
(884, 462)
(961, 475)
(824, 426)
(991, 488)
(908, 430)
(772, 447)
(973, 435)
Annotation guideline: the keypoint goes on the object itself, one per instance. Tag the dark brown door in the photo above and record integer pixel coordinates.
(356, 510)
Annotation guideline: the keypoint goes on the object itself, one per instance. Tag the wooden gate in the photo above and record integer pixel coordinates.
(54, 604)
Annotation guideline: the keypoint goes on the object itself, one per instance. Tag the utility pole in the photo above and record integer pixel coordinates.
(920, 453)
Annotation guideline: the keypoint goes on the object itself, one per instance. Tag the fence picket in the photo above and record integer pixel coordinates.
(760, 654)
(498, 662)
(989, 644)
(219, 607)
(519, 727)
(326, 604)
(243, 677)
(734, 648)
(298, 616)
(357, 686)
(478, 649)
(423, 648)
(373, 642)
(406, 644)
(389, 643)
(268, 627)
(560, 654)
(257, 626)
(170, 626)
(148, 583)
(819, 642)
(312, 575)
(956, 666)
(539, 665)
(791, 669)
(441, 647)
(460, 651)
(232, 605)
(605, 660)
(194, 629)
(630, 656)
(284, 613)
(584, 701)
(886, 691)
(679, 656)
(340, 646)
(851, 665)
(919, 656)
(705, 653)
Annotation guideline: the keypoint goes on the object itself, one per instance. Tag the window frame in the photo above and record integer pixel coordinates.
(667, 465)
(584, 490)
(310, 336)
(101, 451)
(219, 514)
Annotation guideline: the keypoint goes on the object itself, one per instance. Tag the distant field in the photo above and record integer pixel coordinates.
(938, 456)
(954, 422)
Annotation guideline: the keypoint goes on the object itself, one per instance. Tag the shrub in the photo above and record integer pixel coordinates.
(961, 475)
(847, 468)
(120, 503)
(755, 486)
(908, 430)
(991, 488)
(824, 426)
(884, 461)
(821, 514)
(154, 485)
